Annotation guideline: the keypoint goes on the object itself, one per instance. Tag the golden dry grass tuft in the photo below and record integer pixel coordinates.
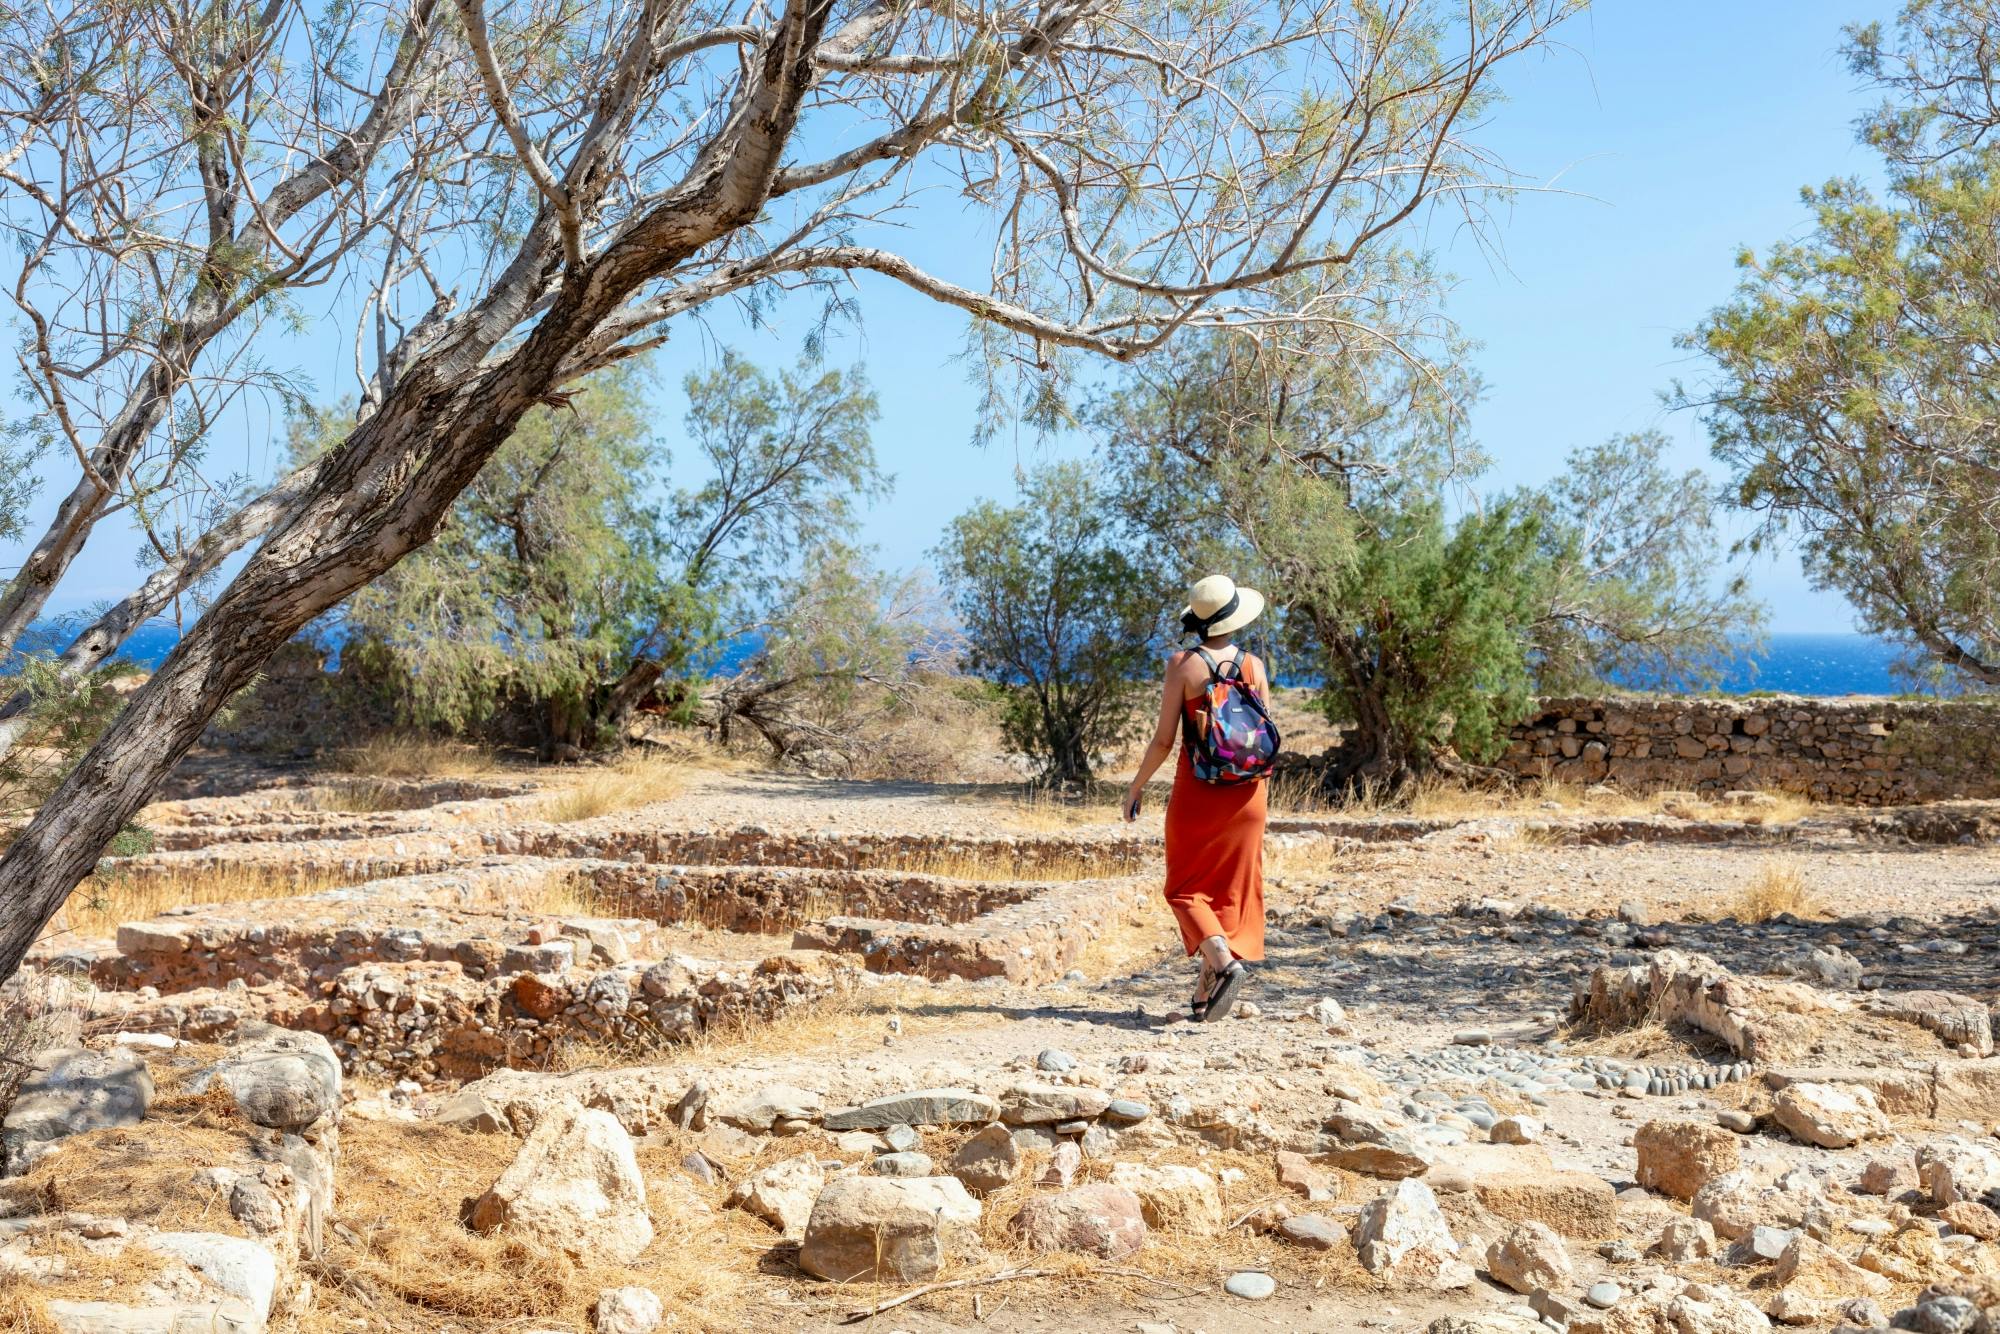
(1036, 810)
(402, 1260)
(1778, 886)
(137, 892)
(635, 779)
(365, 796)
(414, 755)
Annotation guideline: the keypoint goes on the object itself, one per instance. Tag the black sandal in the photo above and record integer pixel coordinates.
(1223, 995)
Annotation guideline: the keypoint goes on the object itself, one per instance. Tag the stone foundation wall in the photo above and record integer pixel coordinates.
(1864, 752)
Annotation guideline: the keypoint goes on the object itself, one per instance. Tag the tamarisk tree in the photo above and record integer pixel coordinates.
(1132, 169)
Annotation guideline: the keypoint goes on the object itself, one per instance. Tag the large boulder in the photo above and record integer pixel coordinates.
(888, 1229)
(575, 1187)
(1678, 1158)
(1530, 1256)
(1831, 1116)
(1402, 1237)
(1173, 1198)
(68, 1091)
(1102, 1220)
(281, 1078)
(782, 1194)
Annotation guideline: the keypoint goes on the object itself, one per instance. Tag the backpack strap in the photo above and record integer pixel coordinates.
(1234, 667)
(1214, 668)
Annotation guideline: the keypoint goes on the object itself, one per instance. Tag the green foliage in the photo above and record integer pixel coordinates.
(1634, 585)
(1429, 638)
(1055, 607)
(542, 578)
(1849, 390)
(62, 717)
(1322, 468)
(566, 584)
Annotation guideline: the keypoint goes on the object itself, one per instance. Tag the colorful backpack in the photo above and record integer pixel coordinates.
(1227, 731)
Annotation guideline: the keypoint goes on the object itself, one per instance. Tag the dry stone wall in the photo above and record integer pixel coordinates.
(1864, 752)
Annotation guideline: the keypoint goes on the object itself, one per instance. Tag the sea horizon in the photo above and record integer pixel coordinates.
(1819, 664)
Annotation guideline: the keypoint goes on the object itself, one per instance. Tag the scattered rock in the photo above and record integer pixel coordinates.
(1604, 1294)
(575, 1187)
(1402, 1237)
(925, 1107)
(1126, 1111)
(782, 1194)
(1063, 1163)
(774, 1104)
(1312, 1232)
(987, 1161)
(281, 1079)
(1250, 1285)
(1889, 1176)
(1045, 1104)
(469, 1110)
(1173, 1198)
(1972, 1219)
(1814, 1270)
(69, 1091)
(627, 1311)
(1678, 1158)
(1099, 1220)
(1516, 1130)
(1831, 1116)
(1530, 1256)
(901, 1165)
(1297, 1173)
(1685, 1239)
(887, 1230)
(1392, 1159)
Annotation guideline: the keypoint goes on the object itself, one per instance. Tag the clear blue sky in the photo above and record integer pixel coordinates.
(1684, 131)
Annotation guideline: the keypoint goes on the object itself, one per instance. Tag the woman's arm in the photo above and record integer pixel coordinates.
(1162, 745)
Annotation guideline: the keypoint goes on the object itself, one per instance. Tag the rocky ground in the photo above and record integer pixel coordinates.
(903, 1057)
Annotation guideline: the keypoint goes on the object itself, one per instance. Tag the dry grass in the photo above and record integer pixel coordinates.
(635, 779)
(131, 894)
(362, 797)
(402, 1260)
(413, 755)
(1778, 886)
(1036, 810)
(1026, 864)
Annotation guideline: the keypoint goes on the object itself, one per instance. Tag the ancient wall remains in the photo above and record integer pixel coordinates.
(1862, 751)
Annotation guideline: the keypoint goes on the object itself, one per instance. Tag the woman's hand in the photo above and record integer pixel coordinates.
(1133, 795)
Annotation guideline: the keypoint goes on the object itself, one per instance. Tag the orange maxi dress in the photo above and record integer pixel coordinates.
(1215, 859)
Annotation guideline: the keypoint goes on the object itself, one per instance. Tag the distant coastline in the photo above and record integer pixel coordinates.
(1795, 664)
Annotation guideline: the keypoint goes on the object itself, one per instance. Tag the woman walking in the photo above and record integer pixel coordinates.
(1214, 696)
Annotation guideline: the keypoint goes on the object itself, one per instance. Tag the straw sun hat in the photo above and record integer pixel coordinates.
(1216, 606)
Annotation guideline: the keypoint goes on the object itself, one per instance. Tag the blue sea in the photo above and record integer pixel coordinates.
(1798, 664)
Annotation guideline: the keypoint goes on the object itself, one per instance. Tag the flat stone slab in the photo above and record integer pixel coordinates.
(69, 1091)
(924, 1107)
